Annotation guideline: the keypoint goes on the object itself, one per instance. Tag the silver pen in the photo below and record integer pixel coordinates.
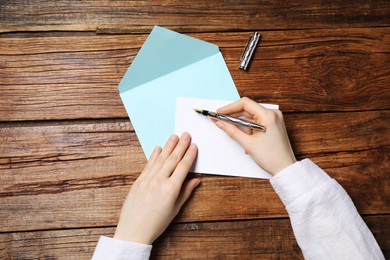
(230, 119)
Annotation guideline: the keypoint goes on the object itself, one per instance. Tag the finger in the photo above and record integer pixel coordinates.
(244, 104)
(151, 161)
(249, 118)
(241, 114)
(153, 157)
(234, 132)
(245, 129)
(169, 146)
(183, 167)
(177, 154)
(186, 191)
(165, 153)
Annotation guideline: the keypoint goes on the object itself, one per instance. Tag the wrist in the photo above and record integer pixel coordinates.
(283, 166)
(131, 237)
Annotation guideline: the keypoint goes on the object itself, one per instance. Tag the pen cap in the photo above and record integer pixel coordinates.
(249, 50)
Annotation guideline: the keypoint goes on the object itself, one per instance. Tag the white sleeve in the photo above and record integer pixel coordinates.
(324, 219)
(115, 249)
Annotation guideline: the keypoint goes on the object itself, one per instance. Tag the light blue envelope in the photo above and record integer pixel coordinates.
(171, 65)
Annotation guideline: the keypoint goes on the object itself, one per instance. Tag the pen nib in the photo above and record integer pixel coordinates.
(203, 112)
(198, 110)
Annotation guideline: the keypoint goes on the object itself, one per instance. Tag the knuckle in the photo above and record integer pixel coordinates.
(184, 164)
(174, 158)
(279, 113)
(170, 189)
(274, 116)
(160, 160)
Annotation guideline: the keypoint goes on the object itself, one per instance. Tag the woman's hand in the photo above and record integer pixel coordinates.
(159, 192)
(271, 149)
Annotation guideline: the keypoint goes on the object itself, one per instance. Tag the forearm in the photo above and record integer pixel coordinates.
(326, 224)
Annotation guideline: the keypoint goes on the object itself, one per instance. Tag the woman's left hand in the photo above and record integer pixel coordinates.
(159, 192)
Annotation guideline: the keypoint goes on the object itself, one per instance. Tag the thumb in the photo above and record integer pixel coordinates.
(233, 132)
(186, 191)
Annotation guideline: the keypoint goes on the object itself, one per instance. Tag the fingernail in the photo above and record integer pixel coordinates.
(185, 136)
(172, 137)
(156, 149)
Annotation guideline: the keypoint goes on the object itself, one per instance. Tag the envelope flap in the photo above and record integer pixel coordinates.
(164, 51)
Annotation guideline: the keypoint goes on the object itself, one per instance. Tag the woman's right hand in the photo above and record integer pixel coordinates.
(271, 149)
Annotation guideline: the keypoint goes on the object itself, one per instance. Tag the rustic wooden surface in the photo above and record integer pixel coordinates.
(69, 154)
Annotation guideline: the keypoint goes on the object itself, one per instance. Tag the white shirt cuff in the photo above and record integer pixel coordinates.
(111, 248)
(297, 180)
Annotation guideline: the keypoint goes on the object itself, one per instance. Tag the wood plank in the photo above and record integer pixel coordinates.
(256, 239)
(189, 16)
(73, 204)
(44, 168)
(108, 146)
(45, 78)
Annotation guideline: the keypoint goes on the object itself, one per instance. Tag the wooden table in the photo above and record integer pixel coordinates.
(69, 154)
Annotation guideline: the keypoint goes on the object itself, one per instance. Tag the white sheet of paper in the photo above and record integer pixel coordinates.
(217, 153)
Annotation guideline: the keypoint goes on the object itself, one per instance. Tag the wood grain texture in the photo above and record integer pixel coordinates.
(96, 163)
(76, 77)
(256, 239)
(102, 147)
(69, 154)
(192, 15)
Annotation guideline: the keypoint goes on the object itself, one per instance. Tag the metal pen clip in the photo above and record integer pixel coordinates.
(249, 50)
